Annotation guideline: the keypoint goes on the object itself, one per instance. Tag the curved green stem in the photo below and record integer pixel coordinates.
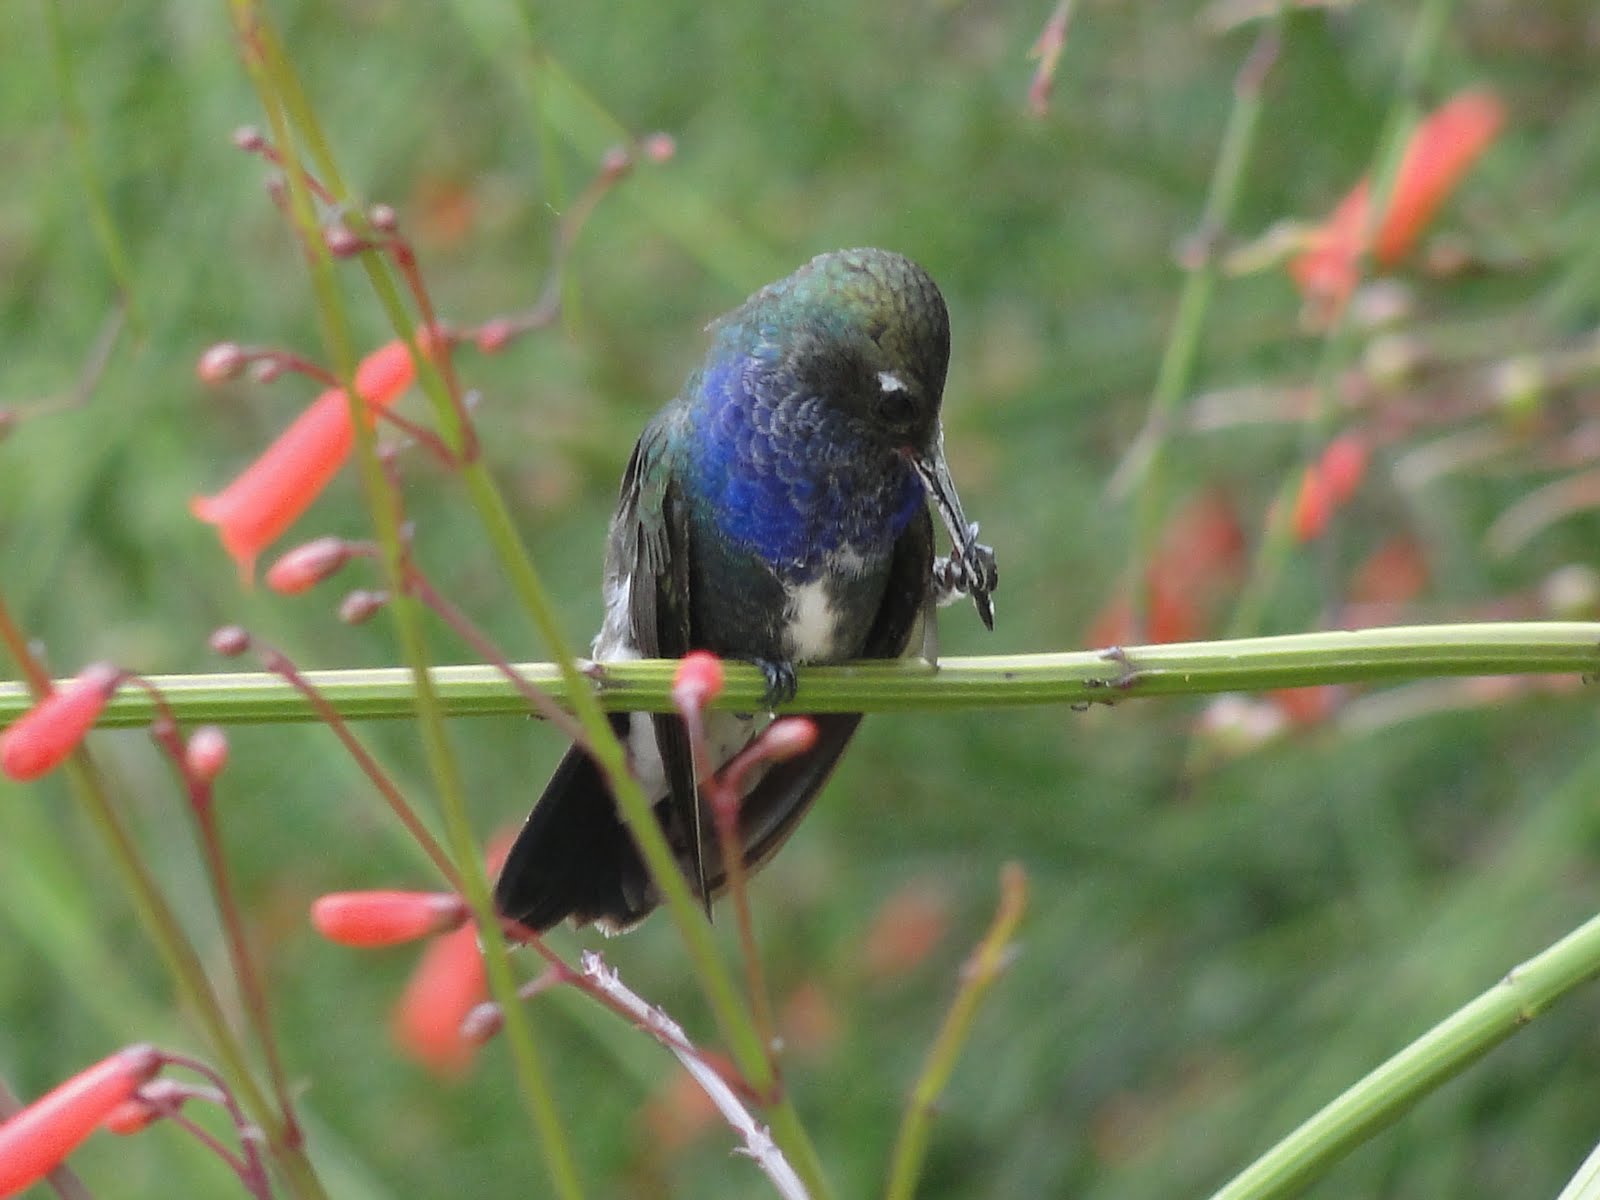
(1442, 1052)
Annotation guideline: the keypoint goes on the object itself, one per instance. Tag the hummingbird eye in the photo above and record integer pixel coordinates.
(895, 401)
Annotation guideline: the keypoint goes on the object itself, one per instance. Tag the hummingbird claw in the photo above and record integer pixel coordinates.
(968, 570)
(781, 681)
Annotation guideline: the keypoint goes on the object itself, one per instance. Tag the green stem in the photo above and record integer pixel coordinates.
(283, 98)
(1141, 467)
(987, 963)
(164, 929)
(100, 220)
(738, 1026)
(1436, 1056)
(1394, 654)
(1339, 346)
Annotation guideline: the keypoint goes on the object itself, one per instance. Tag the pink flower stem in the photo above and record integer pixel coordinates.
(404, 256)
(725, 804)
(252, 1171)
(164, 730)
(278, 663)
(254, 1180)
(537, 698)
(547, 307)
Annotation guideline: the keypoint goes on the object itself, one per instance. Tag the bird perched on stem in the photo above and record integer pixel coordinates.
(776, 511)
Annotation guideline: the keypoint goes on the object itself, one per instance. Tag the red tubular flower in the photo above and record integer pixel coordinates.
(35, 1141)
(1313, 505)
(49, 731)
(450, 982)
(1444, 146)
(273, 491)
(1344, 465)
(385, 918)
(1440, 152)
(1328, 485)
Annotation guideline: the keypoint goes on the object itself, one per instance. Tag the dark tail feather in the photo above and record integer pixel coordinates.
(573, 856)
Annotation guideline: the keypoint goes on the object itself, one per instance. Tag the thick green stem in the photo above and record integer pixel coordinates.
(1399, 653)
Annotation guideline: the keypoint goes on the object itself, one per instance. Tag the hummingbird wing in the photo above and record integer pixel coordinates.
(772, 809)
(574, 856)
(653, 513)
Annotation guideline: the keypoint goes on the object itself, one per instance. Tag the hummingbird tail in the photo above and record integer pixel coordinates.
(574, 857)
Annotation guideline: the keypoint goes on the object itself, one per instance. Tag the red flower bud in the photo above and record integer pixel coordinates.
(360, 605)
(130, 1117)
(787, 737)
(307, 565)
(206, 753)
(154, 1100)
(660, 147)
(269, 496)
(35, 1141)
(230, 641)
(615, 163)
(49, 731)
(223, 361)
(386, 918)
(342, 241)
(697, 681)
(495, 335)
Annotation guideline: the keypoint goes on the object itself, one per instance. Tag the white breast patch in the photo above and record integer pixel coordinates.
(811, 622)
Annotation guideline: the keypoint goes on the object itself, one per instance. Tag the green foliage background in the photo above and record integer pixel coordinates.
(1208, 957)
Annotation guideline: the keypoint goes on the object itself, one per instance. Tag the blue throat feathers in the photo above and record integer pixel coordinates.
(780, 475)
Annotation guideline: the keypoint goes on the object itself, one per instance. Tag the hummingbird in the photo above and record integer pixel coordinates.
(776, 511)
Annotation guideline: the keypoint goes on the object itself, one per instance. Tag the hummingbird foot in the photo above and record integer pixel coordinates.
(781, 681)
(968, 570)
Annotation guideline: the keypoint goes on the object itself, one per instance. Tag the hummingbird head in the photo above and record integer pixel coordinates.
(817, 410)
(866, 333)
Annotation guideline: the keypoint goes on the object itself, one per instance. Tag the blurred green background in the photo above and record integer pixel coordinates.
(1209, 955)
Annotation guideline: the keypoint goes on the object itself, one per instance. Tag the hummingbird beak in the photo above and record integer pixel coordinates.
(975, 561)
